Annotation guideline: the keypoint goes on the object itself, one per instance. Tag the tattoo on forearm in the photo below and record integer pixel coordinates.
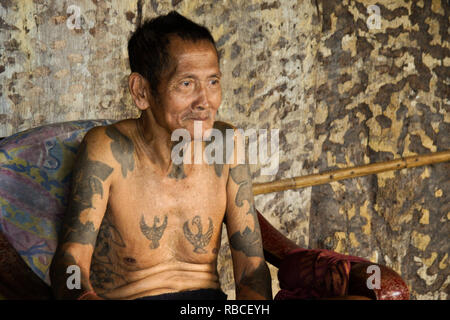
(155, 232)
(199, 240)
(122, 149)
(87, 182)
(58, 274)
(102, 273)
(258, 281)
(249, 242)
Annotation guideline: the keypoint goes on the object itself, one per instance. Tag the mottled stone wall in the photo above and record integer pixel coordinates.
(51, 73)
(383, 93)
(340, 93)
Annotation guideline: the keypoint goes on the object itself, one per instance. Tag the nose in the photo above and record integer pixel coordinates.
(202, 102)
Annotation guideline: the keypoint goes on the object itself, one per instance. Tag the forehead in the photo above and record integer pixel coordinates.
(187, 54)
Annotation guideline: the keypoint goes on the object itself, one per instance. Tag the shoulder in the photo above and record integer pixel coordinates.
(95, 140)
(102, 135)
(102, 141)
(223, 126)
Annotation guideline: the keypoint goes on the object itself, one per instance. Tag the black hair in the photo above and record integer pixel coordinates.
(148, 45)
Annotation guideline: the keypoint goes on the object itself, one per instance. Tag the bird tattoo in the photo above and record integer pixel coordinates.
(199, 240)
(155, 232)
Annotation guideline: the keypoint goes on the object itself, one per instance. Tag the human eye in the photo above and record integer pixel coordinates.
(214, 82)
(185, 85)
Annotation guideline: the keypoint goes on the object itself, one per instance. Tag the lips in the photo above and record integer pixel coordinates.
(198, 117)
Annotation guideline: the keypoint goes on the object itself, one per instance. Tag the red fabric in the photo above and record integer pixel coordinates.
(312, 274)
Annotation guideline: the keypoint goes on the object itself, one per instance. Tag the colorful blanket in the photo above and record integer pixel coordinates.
(35, 173)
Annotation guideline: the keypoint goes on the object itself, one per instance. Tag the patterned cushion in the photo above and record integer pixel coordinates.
(35, 172)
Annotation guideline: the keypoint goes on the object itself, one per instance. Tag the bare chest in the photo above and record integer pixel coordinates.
(147, 192)
(168, 218)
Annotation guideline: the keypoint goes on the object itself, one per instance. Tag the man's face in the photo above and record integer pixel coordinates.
(190, 89)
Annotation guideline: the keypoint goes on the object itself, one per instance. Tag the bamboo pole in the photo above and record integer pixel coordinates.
(352, 172)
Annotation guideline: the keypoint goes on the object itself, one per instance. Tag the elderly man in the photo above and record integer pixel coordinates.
(139, 225)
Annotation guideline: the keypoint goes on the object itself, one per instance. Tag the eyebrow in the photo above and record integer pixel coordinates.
(191, 75)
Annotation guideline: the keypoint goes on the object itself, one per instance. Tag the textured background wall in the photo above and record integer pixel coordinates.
(383, 94)
(340, 93)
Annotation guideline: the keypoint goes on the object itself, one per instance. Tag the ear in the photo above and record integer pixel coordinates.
(139, 89)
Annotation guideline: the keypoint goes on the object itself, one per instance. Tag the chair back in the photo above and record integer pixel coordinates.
(35, 174)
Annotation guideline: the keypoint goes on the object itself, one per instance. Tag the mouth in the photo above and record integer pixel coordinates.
(198, 118)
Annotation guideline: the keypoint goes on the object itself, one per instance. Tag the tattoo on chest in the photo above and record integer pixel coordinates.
(87, 182)
(122, 149)
(177, 172)
(155, 232)
(248, 241)
(198, 240)
(218, 168)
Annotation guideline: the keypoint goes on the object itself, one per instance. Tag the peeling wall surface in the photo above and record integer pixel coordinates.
(347, 84)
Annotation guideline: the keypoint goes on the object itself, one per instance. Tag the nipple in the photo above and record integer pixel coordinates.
(129, 260)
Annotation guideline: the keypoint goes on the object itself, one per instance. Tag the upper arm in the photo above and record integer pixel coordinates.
(241, 218)
(91, 180)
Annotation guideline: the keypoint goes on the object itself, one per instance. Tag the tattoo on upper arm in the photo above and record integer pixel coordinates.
(102, 270)
(241, 176)
(199, 240)
(249, 242)
(122, 149)
(155, 232)
(87, 182)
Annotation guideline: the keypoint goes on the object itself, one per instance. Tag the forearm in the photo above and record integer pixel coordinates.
(69, 279)
(255, 283)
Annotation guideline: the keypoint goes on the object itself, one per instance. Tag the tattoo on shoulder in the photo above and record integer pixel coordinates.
(219, 163)
(122, 149)
(155, 232)
(86, 182)
(199, 240)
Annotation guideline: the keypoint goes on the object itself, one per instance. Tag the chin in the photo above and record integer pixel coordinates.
(205, 126)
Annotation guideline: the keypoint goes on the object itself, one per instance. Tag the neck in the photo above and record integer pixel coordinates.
(154, 140)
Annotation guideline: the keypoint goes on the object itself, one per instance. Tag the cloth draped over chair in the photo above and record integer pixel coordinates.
(35, 170)
(314, 274)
